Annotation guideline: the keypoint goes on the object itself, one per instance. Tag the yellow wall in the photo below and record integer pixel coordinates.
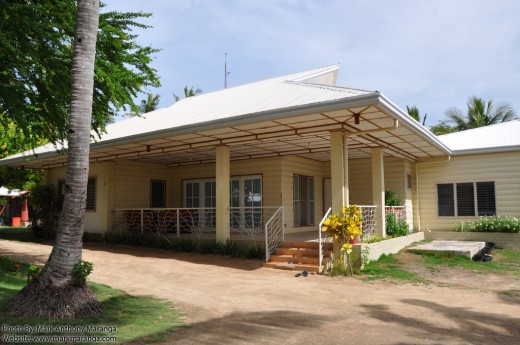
(301, 166)
(132, 183)
(503, 168)
(101, 218)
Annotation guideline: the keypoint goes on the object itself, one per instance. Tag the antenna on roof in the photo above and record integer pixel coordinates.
(226, 73)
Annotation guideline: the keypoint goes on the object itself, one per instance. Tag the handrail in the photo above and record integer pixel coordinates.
(325, 217)
(270, 246)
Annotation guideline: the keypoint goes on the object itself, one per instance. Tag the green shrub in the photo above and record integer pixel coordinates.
(491, 224)
(391, 199)
(394, 227)
(372, 238)
(93, 237)
(81, 270)
(45, 211)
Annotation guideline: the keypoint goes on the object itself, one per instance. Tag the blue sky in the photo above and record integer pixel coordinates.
(433, 54)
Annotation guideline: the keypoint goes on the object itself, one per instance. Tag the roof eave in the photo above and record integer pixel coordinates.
(413, 125)
(483, 150)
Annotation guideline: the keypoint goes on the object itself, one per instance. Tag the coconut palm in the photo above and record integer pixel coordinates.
(149, 104)
(413, 111)
(480, 113)
(56, 292)
(188, 93)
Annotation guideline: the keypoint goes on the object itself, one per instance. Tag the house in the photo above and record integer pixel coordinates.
(273, 156)
(480, 178)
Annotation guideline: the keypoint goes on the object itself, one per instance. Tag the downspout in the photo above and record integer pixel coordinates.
(418, 194)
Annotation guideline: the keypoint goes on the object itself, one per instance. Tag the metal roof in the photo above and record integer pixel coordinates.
(494, 138)
(288, 115)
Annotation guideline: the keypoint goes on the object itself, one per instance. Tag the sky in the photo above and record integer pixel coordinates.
(433, 54)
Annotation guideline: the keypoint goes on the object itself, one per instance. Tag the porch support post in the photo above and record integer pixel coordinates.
(337, 175)
(222, 203)
(338, 180)
(378, 189)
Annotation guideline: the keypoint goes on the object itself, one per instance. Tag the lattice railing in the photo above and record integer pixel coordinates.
(245, 222)
(162, 221)
(274, 232)
(399, 211)
(249, 222)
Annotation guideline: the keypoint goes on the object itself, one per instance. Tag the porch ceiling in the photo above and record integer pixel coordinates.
(306, 135)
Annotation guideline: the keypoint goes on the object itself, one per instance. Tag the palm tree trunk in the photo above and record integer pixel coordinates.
(55, 293)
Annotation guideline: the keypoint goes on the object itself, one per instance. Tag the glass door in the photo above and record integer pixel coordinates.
(252, 199)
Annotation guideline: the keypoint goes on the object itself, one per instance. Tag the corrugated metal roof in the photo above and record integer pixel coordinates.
(292, 114)
(270, 94)
(495, 138)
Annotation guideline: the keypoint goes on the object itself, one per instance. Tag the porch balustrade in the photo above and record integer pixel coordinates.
(245, 222)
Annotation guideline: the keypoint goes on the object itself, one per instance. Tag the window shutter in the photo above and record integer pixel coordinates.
(91, 194)
(486, 198)
(465, 199)
(445, 200)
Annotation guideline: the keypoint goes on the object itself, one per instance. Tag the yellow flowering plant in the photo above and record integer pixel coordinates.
(346, 225)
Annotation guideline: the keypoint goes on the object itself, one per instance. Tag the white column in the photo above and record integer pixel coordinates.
(346, 195)
(338, 180)
(378, 189)
(337, 167)
(222, 186)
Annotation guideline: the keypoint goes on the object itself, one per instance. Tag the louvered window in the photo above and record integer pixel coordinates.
(91, 194)
(466, 199)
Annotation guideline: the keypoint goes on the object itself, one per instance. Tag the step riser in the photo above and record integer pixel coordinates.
(308, 245)
(297, 252)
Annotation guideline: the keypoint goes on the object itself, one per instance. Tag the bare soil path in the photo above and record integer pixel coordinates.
(233, 301)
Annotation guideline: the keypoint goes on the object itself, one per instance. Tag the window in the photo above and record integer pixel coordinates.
(157, 193)
(303, 194)
(466, 199)
(91, 194)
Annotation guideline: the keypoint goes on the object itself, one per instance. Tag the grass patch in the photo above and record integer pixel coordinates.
(389, 267)
(146, 318)
(505, 261)
(17, 234)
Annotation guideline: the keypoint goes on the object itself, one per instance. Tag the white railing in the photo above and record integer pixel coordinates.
(274, 232)
(249, 222)
(163, 221)
(399, 211)
(325, 241)
(245, 222)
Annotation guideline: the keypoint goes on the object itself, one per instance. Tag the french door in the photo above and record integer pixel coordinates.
(245, 199)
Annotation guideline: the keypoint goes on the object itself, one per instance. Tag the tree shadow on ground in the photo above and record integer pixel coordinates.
(268, 327)
(468, 325)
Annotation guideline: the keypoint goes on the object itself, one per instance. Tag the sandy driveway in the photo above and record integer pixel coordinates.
(232, 301)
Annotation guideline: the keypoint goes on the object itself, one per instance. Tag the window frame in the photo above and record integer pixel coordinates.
(305, 203)
(475, 202)
(61, 194)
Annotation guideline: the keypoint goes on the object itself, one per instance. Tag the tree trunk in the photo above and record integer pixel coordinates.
(55, 293)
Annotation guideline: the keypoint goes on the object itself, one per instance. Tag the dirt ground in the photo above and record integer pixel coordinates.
(233, 301)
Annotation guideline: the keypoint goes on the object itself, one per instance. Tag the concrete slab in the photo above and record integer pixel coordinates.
(465, 248)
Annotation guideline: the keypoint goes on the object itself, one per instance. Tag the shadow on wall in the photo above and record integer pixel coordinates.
(467, 325)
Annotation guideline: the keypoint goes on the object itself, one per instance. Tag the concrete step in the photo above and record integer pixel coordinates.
(294, 259)
(292, 267)
(297, 251)
(308, 245)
